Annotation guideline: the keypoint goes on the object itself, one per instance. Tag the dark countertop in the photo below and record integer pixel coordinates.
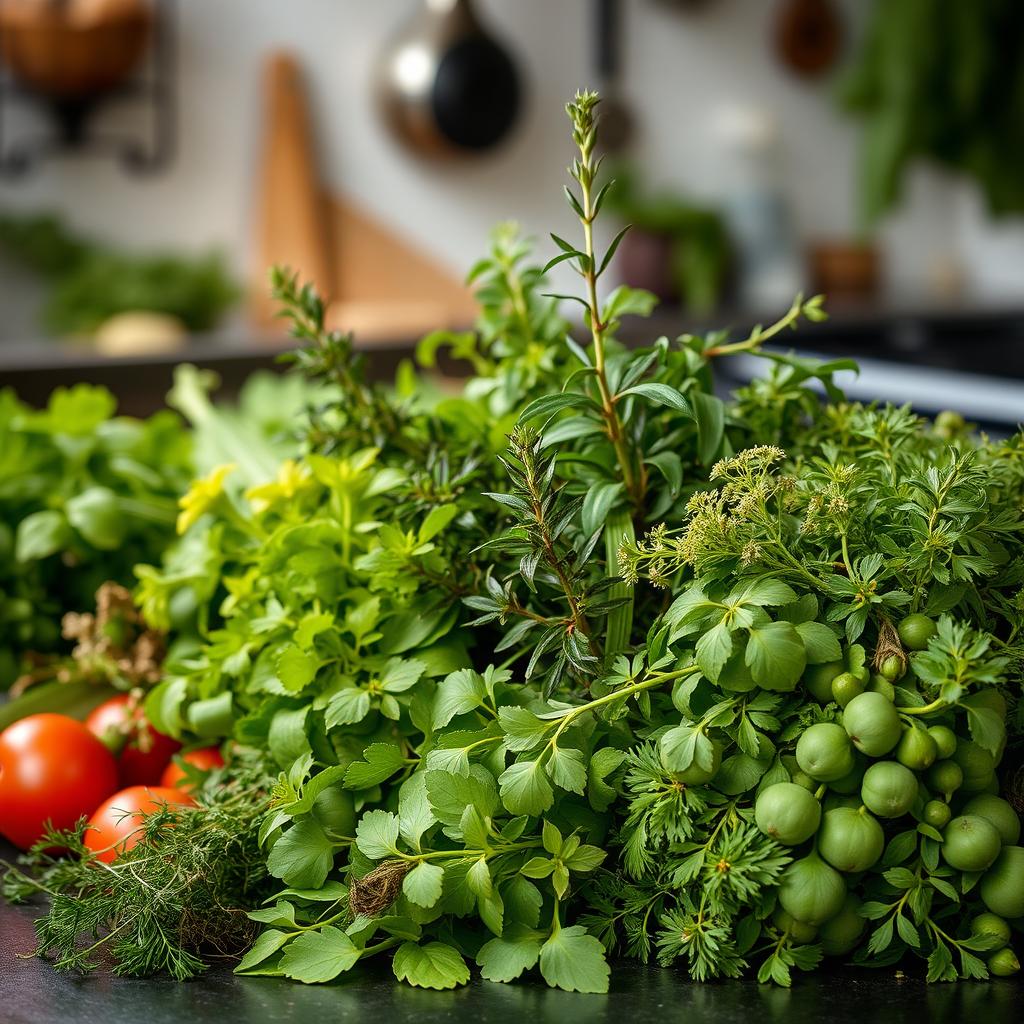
(31, 992)
(973, 343)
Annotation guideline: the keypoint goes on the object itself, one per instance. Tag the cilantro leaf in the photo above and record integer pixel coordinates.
(573, 960)
(433, 965)
(380, 762)
(507, 957)
(302, 856)
(377, 834)
(318, 956)
(423, 885)
(458, 693)
(776, 655)
(525, 789)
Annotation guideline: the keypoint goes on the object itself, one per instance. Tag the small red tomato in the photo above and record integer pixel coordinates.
(52, 769)
(205, 759)
(117, 824)
(142, 752)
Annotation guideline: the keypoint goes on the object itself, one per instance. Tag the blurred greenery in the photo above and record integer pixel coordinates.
(944, 81)
(90, 282)
(699, 250)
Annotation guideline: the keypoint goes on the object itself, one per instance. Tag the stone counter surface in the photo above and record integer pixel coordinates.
(31, 992)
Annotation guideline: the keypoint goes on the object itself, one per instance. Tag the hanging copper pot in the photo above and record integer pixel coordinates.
(73, 49)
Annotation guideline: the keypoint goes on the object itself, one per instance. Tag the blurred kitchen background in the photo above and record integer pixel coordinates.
(156, 155)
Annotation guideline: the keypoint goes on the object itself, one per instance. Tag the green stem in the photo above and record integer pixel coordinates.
(927, 709)
(466, 854)
(757, 338)
(846, 555)
(619, 626)
(380, 947)
(345, 503)
(635, 486)
(626, 691)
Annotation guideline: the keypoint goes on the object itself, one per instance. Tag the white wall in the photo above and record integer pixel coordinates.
(679, 67)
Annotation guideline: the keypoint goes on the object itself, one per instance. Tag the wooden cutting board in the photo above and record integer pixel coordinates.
(378, 284)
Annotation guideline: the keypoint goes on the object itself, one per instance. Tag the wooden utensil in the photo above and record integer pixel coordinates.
(378, 284)
(292, 220)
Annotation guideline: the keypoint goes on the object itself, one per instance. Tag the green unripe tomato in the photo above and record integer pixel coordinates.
(879, 684)
(977, 764)
(787, 813)
(893, 668)
(850, 840)
(996, 810)
(845, 687)
(936, 813)
(1003, 963)
(970, 843)
(841, 934)
(811, 891)
(818, 680)
(1002, 886)
(889, 789)
(872, 723)
(991, 924)
(799, 931)
(945, 777)
(915, 631)
(945, 740)
(824, 752)
(916, 749)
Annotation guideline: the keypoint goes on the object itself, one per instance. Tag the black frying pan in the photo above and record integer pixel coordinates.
(446, 85)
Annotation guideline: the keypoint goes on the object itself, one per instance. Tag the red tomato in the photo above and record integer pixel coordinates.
(205, 759)
(142, 752)
(51, 769)
(117, 824)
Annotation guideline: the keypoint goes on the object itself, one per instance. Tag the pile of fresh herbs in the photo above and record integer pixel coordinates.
(528, 662)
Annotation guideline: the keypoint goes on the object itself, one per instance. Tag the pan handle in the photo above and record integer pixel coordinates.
(606, 38)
